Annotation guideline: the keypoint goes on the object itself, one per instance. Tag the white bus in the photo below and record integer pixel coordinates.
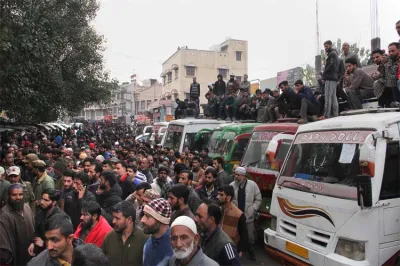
(337, 198)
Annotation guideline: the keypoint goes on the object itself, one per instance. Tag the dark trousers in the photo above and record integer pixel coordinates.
(230, 111)
(354, 97)
(386, 98)
(309, 108)
(396, 94)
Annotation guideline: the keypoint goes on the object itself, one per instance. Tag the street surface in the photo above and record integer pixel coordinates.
(261, 259)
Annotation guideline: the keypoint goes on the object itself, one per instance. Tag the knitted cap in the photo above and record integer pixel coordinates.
(185, 221)
(159, 209)
(151, 194)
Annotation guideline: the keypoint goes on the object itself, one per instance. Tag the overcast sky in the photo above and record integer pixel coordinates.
(141, 34)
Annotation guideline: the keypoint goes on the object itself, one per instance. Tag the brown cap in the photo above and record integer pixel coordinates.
(30, 158)
(38, 163)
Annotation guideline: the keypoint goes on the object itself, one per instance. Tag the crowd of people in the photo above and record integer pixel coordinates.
(343, 85)
(96, 196)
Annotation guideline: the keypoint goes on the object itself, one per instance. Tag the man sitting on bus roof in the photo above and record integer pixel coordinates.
(309, 103)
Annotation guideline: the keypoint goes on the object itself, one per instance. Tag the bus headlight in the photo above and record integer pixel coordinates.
(351, 249)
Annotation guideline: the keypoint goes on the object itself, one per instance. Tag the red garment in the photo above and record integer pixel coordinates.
(97, 234)
(123, 178)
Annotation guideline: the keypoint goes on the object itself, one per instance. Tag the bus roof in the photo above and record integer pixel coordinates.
(240, 128)
(190, 121)
(368, 120)
(291, 127)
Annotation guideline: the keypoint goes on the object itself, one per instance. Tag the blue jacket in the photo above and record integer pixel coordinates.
(308, 94)
(157, 251)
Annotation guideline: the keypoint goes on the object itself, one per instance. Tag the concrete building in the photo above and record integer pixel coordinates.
(130, 100)
(180, 68)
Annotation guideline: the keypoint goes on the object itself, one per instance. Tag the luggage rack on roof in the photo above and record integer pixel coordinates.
(369, 111)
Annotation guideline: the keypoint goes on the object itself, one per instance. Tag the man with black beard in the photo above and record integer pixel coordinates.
(108, 194)
(209, 189)
(161, 179)
(75, 199)
(47, 209)
(178, 196)
(198, 172)
(16, 228)
(93, 227)
(68, 181)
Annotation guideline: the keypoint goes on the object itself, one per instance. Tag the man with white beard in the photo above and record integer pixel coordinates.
(185, 244)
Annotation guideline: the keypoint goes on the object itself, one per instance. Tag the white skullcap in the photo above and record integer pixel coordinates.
(240, 170)
(100, 158)
(185, 221)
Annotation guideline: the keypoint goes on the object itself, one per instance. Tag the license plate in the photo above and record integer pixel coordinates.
(296, 249)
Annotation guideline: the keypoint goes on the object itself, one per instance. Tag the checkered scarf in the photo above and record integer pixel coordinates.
(159, 209)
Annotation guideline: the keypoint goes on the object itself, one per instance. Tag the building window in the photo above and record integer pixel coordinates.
(163, 80)
(148, 103)
(190, 71)
(239, 78)
(169, 76)
(143, 105)
(176, 73)
(238, 56)
(223, 73)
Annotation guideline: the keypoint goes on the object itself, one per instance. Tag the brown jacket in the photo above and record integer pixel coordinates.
(234, 225)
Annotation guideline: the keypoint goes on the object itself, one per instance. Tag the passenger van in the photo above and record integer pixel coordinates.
(337, 198)
(182, 133)
(159, 129)
(231, 143)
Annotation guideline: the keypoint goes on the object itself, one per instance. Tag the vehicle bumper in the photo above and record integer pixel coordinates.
(275, 247)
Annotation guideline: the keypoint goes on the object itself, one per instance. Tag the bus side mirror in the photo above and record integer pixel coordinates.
(364, 191)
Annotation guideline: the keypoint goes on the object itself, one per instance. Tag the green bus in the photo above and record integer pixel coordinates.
(229, 141)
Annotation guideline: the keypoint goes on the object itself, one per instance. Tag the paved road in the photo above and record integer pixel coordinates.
(261, 259)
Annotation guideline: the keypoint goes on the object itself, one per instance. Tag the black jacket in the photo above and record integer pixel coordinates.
(127, 187)
(41, 219)
(73, 205)
(287, 96)
(219, 88)
(331, 67)
(108, 199)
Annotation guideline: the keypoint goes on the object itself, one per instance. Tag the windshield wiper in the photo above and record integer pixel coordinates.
(291, 182)
(248, 164)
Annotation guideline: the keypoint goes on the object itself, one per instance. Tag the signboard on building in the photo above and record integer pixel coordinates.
(169, 118)
(254, 86)
(290, 75)
(141, 118)
(108, 117)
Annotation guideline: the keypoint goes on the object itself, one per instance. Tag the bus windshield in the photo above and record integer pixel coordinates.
(255, 153)
(174, 137)
(317, 159)
(224, 145)
(215, 136)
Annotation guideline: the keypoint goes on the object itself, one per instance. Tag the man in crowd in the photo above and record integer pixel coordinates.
(16, 228)
(4, 184)
(178, 199)
(94, 177)
(245, 84)
(230, 107)
(89, 255)
(233, 219)
(383, 94)
(223, 178)
(287, 100)
(109, 194)
(186, 178)
(217, 245)
(74, 200)
(349, 54)
(14, 176)
(156, 218)
(209, 189)
(68, 181)
(358, 84)
(219, 92)
(127, 186)
(232, 84)
(137, 199)
(124, 244)
(161, 179)
(194, 92)
(145, 168)
(248, 199)
(392, 73)
(198, 172)
(309, 103)
(330, 76)
(93, 227)
(47, 209)
(60, 243)
(185, 242)
(153, 169)
(87, 163)
(42, 180)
